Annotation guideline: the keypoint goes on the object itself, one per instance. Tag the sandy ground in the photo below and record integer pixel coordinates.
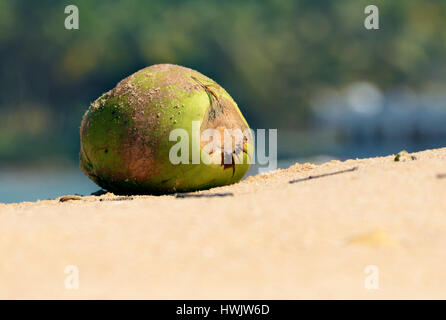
(271, 239)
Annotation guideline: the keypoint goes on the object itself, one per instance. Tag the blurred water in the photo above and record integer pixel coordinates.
(33, 184)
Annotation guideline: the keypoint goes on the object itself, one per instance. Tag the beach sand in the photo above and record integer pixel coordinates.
(267, 239)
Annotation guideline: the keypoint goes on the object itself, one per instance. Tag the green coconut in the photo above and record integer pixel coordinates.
(125, 133)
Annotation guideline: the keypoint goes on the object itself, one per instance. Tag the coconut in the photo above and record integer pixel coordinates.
(125, 133)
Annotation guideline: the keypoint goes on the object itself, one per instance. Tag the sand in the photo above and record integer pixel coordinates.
(270, 239)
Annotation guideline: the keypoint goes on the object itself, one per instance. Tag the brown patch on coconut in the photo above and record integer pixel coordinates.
(222, 115)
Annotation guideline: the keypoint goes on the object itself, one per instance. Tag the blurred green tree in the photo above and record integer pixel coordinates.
(273, 56)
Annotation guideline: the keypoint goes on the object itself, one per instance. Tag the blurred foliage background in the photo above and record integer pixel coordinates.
(308, 68)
